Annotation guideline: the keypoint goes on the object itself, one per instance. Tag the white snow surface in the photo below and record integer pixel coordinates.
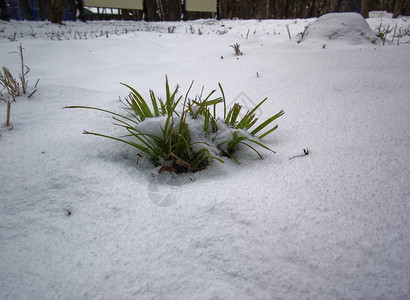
(82, 217)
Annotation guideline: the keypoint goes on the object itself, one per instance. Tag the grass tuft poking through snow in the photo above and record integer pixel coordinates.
(166, 136)
(237, 49)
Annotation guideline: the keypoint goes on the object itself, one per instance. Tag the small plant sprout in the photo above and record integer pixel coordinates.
(305, 152)
(236, 47)
(383, 32)
(303, 33)
(189, 139)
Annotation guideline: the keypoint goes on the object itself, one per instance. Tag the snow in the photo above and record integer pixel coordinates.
(85, 217)
(348, 27)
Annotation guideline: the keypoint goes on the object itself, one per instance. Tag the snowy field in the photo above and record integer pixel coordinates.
(82, 217)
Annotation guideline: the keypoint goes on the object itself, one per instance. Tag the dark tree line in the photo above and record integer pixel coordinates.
(49, 9)
(291, 9)
(170, 10)
(173, 10)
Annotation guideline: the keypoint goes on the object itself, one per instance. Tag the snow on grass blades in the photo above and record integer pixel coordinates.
(189, 140)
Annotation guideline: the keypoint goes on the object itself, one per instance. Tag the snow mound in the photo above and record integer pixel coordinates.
(351, 28)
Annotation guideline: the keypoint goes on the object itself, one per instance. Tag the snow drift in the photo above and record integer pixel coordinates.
(351, 28)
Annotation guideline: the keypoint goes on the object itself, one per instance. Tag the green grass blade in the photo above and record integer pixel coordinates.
(123, 123)
(269, 131)
(213, 102)
(206, 120)
(267, 122)
(247, 119)
(235, 113)
(135, 107)
(104, 110)
(163, 108)
(244, 121)
(250, 124)
(154, 103)
(172, 110)
(145, 150)
(260, 144)
(260, 156)
(228, 118)
(156, 149)
(257, 106)
(210, 157)
(186, 99)
(143, 106)
(223, 98)
(168, 94)
(214, 125)
(231, 156)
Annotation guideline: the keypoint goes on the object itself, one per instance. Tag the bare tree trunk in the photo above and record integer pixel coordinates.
(5, 15)
(312, 11)
(27, 10)
(172, 10)
(225, 9)
(125, 14)
(73, 8)
(264, 9)
(242, 9)
(279, 9)
(397, 8)
(364, 8)
(153, 10)
(55, 11)
(42, 8)
(270, 14)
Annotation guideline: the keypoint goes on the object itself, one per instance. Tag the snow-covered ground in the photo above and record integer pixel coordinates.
(82, 217)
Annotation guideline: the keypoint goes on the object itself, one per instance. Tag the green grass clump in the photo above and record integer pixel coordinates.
(172, 146)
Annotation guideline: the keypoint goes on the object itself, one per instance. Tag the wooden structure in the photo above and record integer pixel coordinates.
(201, 5)
(121, 4)
(200, 9)
(127, 9)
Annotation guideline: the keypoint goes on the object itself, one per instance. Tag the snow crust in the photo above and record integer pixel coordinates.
(83, 217)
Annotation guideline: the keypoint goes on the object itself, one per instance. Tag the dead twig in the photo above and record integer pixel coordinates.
(305, 152)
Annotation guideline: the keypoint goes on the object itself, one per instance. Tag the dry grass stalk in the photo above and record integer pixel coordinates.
(10, 83)
(236, 48)
(8, 114)
(24, 70)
